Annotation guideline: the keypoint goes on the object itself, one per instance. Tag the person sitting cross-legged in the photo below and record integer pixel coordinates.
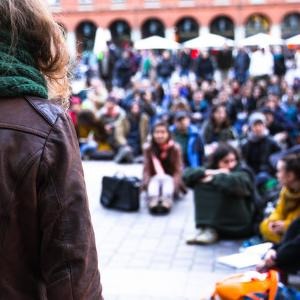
(189, 139)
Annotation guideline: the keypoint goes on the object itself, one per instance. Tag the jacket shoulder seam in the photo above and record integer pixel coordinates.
(50, 119)
(25, 129)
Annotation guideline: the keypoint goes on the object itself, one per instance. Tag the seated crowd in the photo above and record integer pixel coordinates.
(218, 139)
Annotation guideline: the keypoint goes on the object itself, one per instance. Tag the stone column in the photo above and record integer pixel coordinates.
(170, 33)
(203, 30)
(276, 30)
(239, 33)
(136, 34)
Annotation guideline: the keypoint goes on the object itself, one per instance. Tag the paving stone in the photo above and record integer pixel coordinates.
(145, 257)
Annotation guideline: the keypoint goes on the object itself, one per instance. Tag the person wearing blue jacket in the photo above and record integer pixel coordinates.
(188, 137)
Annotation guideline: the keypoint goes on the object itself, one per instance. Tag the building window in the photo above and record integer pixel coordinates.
(222, 26)
(85, 35)
(153, 26)
(54, 2)
(290, 25)
(84, 2)
(257, 1)
(118, 4)
(152, 3)
(221, 2)
(120, 32)
(257, 23)
(186, 29)
(184, 3)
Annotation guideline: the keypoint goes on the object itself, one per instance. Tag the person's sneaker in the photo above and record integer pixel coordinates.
(193, 240)
(206, 237)
(209, 236)
(160, 206)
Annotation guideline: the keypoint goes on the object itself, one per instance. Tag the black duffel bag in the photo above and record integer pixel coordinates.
(121, 193)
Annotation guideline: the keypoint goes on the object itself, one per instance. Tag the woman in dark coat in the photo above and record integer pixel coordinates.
(223, 195)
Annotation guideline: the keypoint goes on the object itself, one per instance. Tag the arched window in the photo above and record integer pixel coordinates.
(186, 28)
(120, 32)
(85, 36)
(223, 26)
(257, 23)
(153, 26)
(290, 25)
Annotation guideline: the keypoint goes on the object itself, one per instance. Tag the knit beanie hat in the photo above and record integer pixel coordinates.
(257, 117)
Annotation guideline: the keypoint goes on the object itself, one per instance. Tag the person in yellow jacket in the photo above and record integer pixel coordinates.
(288, 206)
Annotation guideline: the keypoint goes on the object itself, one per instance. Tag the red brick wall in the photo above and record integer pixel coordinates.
(203, 11)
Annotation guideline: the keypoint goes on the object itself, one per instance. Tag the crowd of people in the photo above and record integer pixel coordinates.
(218, 122)
(223, 138)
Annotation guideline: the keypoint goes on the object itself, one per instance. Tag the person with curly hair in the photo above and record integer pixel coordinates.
(47, 241)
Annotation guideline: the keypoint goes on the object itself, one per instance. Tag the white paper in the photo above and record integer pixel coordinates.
(251, 256)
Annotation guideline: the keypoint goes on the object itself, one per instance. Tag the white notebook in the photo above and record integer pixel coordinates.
(250, 256)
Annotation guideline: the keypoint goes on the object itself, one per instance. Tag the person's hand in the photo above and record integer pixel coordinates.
(280, 137)
(277, 227)
(207, 178)
(270, 257)
(210, 172)
(108, 128)
(223, 171)
(268, 262)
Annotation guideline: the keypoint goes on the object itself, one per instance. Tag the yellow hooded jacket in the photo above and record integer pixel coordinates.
(287, 210)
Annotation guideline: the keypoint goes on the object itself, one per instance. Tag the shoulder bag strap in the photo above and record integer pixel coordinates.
(157, 166)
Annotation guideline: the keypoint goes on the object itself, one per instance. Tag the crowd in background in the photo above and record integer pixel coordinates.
(219, 115)
(217, 90)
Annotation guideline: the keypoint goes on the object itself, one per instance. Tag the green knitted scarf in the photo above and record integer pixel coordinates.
(18, 74)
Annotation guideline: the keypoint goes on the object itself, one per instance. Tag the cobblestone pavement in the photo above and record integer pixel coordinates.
(144, 257)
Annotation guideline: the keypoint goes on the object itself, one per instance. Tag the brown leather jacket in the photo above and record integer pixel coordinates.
(47, 245)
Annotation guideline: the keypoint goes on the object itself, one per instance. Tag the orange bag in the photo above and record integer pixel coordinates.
(248, 285)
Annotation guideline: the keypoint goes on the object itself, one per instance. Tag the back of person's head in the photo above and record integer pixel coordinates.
(86, 118)
(28, 25)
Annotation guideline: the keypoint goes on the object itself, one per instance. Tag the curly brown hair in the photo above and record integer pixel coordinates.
(31, 21)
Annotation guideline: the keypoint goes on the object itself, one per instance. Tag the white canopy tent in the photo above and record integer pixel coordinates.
(294, 40)
(156, 42)
(261, 40)
(208, 40)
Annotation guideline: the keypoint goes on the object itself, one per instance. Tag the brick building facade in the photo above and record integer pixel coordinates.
(129, 20)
